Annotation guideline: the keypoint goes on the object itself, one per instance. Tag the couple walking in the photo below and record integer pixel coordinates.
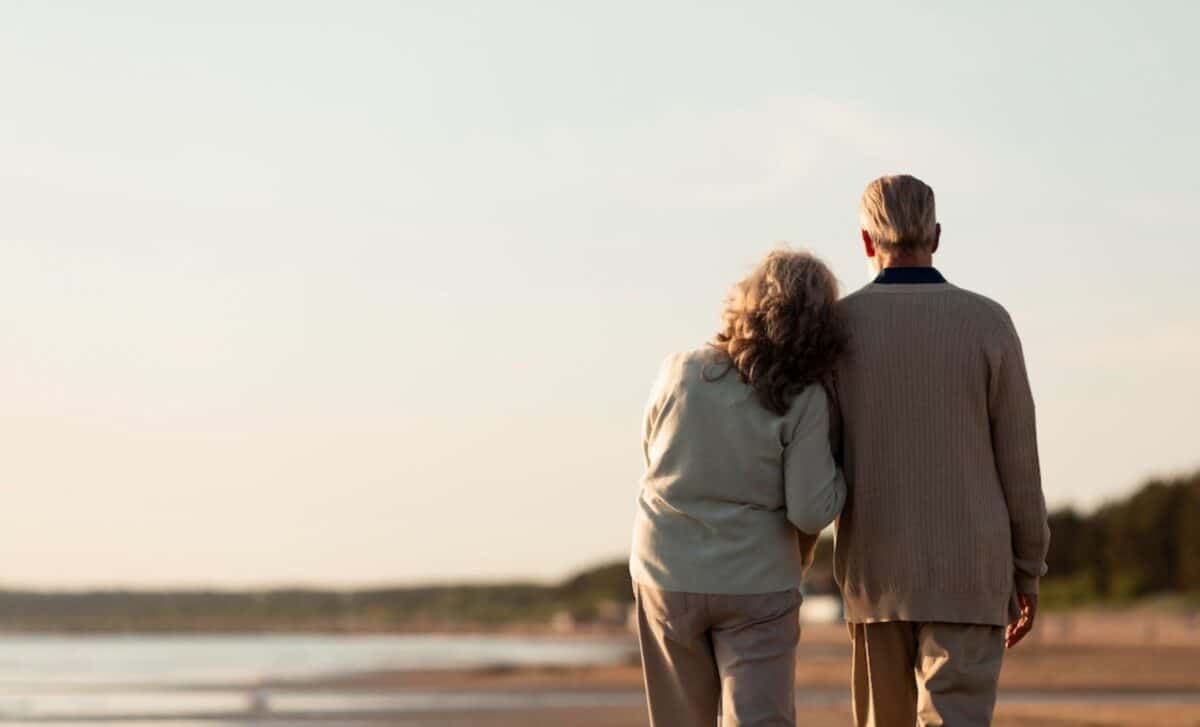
(903, 412)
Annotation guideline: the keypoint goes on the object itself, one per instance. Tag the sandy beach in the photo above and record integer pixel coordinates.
(1056, 681)
(1076, 715)
(1101, 669)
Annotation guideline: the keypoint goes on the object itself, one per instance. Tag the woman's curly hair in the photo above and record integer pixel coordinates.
(780, 330)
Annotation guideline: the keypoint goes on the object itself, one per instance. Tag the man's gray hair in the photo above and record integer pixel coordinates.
(898, 213)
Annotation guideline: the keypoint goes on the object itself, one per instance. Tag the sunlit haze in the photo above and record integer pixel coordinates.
(373, 292)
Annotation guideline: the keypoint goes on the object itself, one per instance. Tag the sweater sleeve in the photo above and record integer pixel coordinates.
(1014, 444)
(814, 490)
(654, 406)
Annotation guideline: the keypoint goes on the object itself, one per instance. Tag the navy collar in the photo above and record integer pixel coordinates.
(908, 276)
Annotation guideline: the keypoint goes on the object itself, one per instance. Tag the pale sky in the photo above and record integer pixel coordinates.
(372, 292)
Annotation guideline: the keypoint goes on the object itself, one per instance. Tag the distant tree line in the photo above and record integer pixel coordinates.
(376, 610)
(1147, 543)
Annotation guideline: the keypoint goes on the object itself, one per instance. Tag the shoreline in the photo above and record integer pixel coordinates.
(1065, 685)
(1095, 670)
(1140, 623)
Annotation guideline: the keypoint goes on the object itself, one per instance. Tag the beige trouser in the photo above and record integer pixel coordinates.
(706, 655)
(928, 674)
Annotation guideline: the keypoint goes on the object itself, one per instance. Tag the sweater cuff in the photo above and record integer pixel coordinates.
(1026, 584)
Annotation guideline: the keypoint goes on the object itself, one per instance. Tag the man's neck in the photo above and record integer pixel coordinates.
(913, 260)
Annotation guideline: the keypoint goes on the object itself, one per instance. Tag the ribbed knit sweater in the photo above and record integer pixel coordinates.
(945, 519)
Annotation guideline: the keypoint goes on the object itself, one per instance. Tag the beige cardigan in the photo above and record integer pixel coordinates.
(946, 517)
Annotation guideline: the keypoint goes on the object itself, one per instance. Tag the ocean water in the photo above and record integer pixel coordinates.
(186, 681)
(52, 678)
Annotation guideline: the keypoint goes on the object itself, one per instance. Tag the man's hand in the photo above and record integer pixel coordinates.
(1024, 624)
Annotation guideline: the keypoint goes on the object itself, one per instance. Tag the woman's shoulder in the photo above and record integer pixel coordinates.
(683, 368)
(694, 358)
(702, 356)
(810, 411)
(814, 393)
(812, 399)
(706, 364)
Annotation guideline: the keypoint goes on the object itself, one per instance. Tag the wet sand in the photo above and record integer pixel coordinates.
(1044, 683)
(1058, 716)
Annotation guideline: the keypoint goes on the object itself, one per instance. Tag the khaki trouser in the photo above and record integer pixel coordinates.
(928, 674)
(707, 654)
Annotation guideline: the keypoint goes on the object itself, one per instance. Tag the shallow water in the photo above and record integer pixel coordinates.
(89, 677)
(187, 681)
(106, 660)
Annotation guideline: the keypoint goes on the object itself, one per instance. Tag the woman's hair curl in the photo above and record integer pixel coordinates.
(780, 329)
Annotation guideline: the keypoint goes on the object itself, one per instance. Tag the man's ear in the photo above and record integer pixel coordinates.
(937, 237)
(870, 246)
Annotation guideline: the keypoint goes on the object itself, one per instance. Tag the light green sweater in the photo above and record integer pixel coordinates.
(728, 483)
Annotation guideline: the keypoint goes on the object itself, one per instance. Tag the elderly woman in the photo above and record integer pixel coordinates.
(739, 480)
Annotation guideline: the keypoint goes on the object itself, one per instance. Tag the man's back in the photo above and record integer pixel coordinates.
(946, 517)
(945, 525)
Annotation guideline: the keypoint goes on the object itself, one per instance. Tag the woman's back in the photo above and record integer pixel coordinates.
(738, 464)
(728, 481)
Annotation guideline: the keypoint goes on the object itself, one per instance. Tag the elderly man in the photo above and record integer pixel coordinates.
(944, 537)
